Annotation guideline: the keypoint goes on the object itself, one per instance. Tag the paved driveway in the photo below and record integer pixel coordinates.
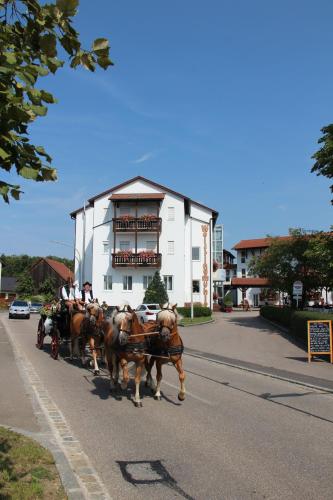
(247, 337)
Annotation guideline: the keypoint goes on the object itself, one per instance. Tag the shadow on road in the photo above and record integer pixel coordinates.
(254, 322)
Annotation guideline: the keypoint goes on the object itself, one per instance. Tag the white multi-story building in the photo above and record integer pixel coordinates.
(123, 235)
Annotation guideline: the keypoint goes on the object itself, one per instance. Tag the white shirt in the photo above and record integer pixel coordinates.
(87, 297)
(74, 293)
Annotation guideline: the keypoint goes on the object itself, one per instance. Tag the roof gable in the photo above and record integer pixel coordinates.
(147, 182)
(59, 267)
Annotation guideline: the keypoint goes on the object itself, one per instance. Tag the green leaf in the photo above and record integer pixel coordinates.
(3, 154)
(28, 173)
(100, 44)
(104, 62)
(34, 95)
(68, 7)
(48, 44)
(41, 70)
(10, 57)
(42, 152)
(26, 77)
(47, 97)
(39, 110)
(49, 174)
(15, 193)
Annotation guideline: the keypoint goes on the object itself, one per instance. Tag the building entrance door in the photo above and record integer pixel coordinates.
(256, 300)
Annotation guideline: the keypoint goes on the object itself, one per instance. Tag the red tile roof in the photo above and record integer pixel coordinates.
(250, 282)
(61, 269)
(258, 243)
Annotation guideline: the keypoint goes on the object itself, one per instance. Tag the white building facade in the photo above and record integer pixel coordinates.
(125, 234)
(255, 289)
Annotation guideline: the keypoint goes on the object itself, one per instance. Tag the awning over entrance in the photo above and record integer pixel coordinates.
(250, 282)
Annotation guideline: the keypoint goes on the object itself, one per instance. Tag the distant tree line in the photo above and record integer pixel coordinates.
(16, 265)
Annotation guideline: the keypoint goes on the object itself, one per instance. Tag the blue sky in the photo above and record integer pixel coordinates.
(222, 101)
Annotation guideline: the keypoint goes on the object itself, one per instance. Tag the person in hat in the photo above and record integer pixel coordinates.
(70, 294)
(87, 296)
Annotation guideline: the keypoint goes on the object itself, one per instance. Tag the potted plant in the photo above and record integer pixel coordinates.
(148, 217)
(227, 303)
(146, 256)
(125, 255)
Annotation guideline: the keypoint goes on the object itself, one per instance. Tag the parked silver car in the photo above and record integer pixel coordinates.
(147, 312)
(35, 307)
(19, 309)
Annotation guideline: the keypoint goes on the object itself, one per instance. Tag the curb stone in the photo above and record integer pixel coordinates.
(198, 324)
(78, 477)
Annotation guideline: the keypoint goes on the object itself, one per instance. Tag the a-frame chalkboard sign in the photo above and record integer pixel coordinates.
(320, 338)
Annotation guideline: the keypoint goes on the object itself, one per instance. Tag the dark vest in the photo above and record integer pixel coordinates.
(83, 294)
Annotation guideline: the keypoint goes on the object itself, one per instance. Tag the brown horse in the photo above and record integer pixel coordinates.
(168, 347)
(88, 326)
(124, 343)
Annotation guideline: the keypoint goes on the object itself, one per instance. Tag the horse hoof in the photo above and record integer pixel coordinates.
(96, 372)
(138, 404)
(157, 398)
(181, 397)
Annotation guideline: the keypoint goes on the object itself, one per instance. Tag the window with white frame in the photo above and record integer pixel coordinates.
(106, 247)
(168, 282)
(127, 283)
(107, 282)
(196, 286)
(243, 273)
(195, 253)
(124, 245)
(171, 247)
(171, 213)
(146, 281)
(150, 245)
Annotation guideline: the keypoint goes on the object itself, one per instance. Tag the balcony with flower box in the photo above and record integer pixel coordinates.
(126, 258)
(130, 224)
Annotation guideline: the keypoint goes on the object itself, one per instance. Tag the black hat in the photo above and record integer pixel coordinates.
(86, 283)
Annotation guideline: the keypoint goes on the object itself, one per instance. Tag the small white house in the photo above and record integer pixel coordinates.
(255, 289)
(126, 233)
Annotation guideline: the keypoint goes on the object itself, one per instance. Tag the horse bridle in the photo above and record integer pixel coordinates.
(165, 326)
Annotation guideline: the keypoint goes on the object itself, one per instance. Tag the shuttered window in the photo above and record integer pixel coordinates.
(171, 247)
(171, 213)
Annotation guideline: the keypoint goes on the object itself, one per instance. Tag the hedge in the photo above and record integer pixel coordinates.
(296, 321)
(198, 311)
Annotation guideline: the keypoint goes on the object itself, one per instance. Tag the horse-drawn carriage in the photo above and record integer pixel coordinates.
(123, 339)
(75, 329)
(55, 322)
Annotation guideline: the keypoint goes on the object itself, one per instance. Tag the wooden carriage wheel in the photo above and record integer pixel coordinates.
(55, 342)
(40, 335)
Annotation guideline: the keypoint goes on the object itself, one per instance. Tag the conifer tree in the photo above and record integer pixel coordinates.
(156, 292)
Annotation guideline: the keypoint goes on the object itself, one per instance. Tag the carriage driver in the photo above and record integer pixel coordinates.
(70, 294)
(87, 293)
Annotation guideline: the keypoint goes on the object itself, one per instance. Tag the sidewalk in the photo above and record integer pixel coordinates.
(246, 340)
(21, 412)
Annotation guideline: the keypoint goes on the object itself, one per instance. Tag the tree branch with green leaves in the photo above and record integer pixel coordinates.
(324, 157)
(31, 35)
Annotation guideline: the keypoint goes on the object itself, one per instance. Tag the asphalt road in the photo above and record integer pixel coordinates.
(238, 435)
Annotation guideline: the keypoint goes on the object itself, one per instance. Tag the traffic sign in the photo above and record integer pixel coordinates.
(297, 288)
